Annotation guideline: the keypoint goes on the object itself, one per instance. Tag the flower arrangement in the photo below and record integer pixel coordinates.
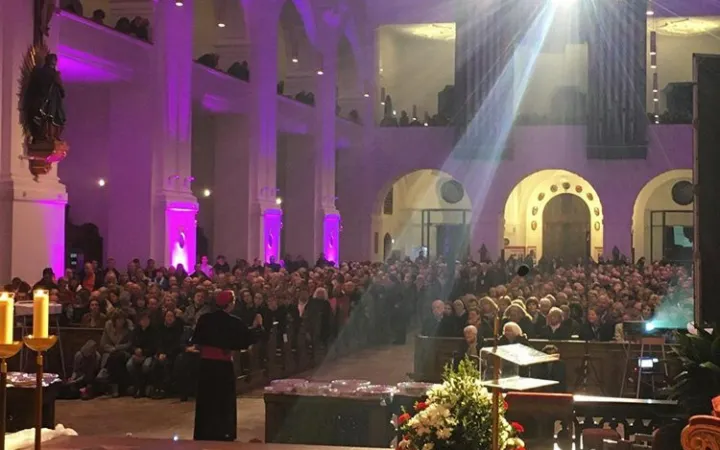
(456, 415)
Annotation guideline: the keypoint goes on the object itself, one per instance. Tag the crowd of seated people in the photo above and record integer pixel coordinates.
(553, 301)
(138, 27)
(147, 314)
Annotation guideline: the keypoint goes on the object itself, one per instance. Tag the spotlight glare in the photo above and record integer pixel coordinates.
(563, 2)
(656, 100)
(649, 326)
(653, 53)
(295, 60)
(178, 3)
(382, 103)
(101, 182)
(207, 192)
(366, 95)
(655, 91)
(320, 72)
(221, 25)
(278, 201)
(653, 66)
(426, 124)
(650, 12)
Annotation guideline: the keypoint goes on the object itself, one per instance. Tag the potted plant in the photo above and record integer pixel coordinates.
(699, 380)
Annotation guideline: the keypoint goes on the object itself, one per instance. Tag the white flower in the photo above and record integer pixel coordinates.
(422, 431)
(444, 433)
(428, 446)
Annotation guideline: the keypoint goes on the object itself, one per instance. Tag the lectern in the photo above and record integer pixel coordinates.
(511, 358)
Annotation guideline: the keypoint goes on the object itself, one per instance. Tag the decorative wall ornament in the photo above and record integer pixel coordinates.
(590, 196)
(682, 193)
(553, 188)
(541, 196)
(452, 191)
(596, 210)
(578, 189)
(534, 210)
(566, 185)
(597, 226)
(533, 225)
(42, 98)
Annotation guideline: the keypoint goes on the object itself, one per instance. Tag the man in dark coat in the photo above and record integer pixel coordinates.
(216, 335)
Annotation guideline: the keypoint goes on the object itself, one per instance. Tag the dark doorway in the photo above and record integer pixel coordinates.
(387, 246)
(452, 241)
(566, 228)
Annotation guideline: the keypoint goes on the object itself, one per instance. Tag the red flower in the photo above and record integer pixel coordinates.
(518, 428)
(419, 406)
(402, 419)
(505, 405)
(519, 448)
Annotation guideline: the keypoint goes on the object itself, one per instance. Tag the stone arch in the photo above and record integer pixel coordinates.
(656, 195)
(418, 191)
(525, 205)
(298, 58)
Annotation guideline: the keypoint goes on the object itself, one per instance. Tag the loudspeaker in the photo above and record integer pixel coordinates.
(706, 141)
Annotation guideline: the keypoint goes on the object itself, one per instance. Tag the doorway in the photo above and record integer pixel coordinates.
(566, 228)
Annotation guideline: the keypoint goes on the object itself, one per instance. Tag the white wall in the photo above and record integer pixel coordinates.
(411, 194)
(414, 69)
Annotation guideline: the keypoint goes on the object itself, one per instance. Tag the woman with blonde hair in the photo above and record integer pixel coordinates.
(516, 313)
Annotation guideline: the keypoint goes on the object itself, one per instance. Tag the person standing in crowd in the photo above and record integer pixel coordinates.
(216, 335)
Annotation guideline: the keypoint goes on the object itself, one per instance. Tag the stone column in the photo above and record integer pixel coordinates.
(153, 215)
(32, 213)
(617, 120)
(263, 21)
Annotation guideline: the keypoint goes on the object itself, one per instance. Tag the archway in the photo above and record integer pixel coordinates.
(219, 29)
(387, 246)
(525, 211)
(663, 217)
(566, 228)
(431, 216)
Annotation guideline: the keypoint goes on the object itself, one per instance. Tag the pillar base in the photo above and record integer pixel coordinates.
(179, 233)
(32, 227)
(272, 223)
(332, 227)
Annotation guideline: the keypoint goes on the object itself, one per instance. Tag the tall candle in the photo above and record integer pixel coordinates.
(7, 317)
(41, 313)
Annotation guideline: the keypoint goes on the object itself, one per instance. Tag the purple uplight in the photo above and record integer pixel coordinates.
(181, 233)
(272, 221)
(331, 237)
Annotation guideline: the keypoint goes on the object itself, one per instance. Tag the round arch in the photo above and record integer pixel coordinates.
(307, 14)
(217, 24)
(525, 206)
(656, 196)
(426, 211)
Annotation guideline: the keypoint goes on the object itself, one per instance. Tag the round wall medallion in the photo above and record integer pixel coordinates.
(682, 193)
(452, 191)
(566, 185)
(596, 210)
(578, 189)
(553, 188)
(534, 210)
(533, 225)
(597, 226)
(590, 196)
(541, 196)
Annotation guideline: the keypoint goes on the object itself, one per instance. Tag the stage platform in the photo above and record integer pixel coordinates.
(129, 443)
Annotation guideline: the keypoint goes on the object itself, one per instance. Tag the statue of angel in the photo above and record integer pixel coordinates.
(42, 97)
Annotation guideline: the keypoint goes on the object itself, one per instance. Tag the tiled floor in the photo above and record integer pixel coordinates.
(167, 418)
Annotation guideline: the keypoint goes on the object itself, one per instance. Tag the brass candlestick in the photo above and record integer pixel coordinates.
(39, 345)
(7, 351)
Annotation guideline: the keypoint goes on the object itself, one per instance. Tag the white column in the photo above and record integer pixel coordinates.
(174, 233)
(260, 171)
(32, 213)
(153, 212)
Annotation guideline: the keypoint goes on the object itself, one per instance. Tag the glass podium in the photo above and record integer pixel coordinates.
(512, 358)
